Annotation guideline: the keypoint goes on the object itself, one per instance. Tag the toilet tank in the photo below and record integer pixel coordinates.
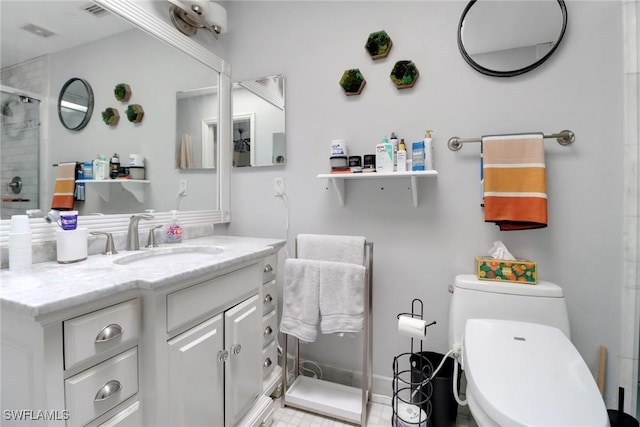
(543, 303)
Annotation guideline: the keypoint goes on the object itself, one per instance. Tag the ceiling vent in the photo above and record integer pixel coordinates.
(94, 9)
(38, 31)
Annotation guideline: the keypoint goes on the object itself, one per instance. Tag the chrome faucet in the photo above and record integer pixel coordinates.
(133, 243)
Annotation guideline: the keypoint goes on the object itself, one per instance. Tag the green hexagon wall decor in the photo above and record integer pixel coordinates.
(404, 74)
(378, 45)
(352, 82)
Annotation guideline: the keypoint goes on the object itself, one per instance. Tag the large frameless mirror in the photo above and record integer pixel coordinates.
(75, 104)
(509, 38)
(259, 122)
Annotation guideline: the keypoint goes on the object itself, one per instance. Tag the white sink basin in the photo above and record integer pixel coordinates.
(172, 254)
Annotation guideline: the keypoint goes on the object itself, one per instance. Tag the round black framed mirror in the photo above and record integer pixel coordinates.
(506, 39)
(75, 104)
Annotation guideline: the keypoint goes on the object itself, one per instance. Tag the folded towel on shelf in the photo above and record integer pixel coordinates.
(186, 152)
(342, 289)
(322, 247)
(515, 189)
(300, 309)
(64, 189)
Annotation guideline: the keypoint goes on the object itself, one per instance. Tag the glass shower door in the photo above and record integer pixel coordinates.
(19, 153)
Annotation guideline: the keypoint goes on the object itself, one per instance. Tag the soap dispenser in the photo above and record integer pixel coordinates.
(174, 230)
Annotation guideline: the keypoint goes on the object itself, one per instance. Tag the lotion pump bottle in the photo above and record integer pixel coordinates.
(402, 157)
(428, 151)
(174, 230)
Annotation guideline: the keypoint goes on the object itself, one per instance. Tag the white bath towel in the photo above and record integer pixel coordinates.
(342, 289)
(300, 305)
(323, 247)
(186, 152)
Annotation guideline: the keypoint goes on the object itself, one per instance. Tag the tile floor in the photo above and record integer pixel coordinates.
(379, 416)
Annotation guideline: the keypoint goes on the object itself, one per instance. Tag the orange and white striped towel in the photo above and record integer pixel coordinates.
(63, 192)
(515, 185)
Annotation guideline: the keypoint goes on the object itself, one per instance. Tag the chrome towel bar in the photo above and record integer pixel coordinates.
(564, 137)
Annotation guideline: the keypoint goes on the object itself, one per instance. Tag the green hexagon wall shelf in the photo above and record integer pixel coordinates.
(352, 82)
(378, 45)
(404, 74)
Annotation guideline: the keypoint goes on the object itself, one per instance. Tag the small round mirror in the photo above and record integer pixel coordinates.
(75, 104)
(508, 38)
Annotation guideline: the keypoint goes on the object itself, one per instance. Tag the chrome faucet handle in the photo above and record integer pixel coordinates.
(151, 240)
(110, 249)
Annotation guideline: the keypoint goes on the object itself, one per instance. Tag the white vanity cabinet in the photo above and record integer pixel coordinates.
(214, 368)
(185, 348)
(75, 368)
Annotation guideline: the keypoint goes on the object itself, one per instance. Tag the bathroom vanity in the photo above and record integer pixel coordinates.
(180, 335)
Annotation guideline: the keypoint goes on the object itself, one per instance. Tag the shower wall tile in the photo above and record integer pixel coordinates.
(631, 16)
(30, 76)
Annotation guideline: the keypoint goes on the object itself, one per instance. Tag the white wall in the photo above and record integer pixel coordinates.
(418, 251)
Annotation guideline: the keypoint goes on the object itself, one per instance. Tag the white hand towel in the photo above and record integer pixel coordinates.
(341, 297)
(300, 310)
(322, 247)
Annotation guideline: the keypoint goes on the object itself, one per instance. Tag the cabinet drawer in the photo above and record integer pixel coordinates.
(130, 416)
(269, 359)
(189, 304)
(101, 330)
(102, 387)
(269, 327)
(269, 295)
(269, 268)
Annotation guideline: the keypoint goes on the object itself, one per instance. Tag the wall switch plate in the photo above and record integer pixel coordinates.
(183, 189)
(278, 186)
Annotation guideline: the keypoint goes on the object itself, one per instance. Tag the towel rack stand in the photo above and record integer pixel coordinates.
(338, 401)
(564, 137)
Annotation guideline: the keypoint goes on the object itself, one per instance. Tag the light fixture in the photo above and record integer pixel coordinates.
(190, 16)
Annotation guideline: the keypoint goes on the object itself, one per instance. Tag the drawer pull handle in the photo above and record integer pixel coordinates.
(109, 332)
(236, 349)
(268, 268)
(267, 362)
(268, 299)
(107, 390)
(223, 355)
(268, 331)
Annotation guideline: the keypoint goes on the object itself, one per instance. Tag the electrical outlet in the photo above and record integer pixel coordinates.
(278, 186)
(182, 189)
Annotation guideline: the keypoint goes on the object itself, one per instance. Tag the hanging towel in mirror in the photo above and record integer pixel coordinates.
(64, 189)
(186, 152)
(515, 188)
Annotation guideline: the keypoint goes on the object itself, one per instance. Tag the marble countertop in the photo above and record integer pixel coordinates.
(50, 286)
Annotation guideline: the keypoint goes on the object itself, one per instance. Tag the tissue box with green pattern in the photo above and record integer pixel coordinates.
(516, 271)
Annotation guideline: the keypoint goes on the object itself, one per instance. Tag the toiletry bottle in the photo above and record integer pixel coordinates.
(394, 143)
(417, 156)
(428, 151)
(174, 230)
(402, 157)
(100, 168)
(114, 166)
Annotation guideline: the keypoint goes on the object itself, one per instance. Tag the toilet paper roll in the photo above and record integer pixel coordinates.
(412, 327)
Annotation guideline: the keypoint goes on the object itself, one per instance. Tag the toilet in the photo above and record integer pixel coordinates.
(520, 365)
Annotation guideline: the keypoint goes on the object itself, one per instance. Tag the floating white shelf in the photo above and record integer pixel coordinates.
(338, 180)
(133, 186)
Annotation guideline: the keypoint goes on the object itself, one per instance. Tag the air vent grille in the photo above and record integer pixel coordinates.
(94, 9)
(38, 31)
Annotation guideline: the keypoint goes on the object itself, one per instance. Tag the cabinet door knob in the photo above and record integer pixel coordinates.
(267, 362)
(223, 355)
(268, 299)
(236, 349)
(267, 331)
(109, 332)
(268, 268)
(107, 390)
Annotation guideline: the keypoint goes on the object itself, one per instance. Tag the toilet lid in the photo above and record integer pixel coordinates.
(525, 374)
